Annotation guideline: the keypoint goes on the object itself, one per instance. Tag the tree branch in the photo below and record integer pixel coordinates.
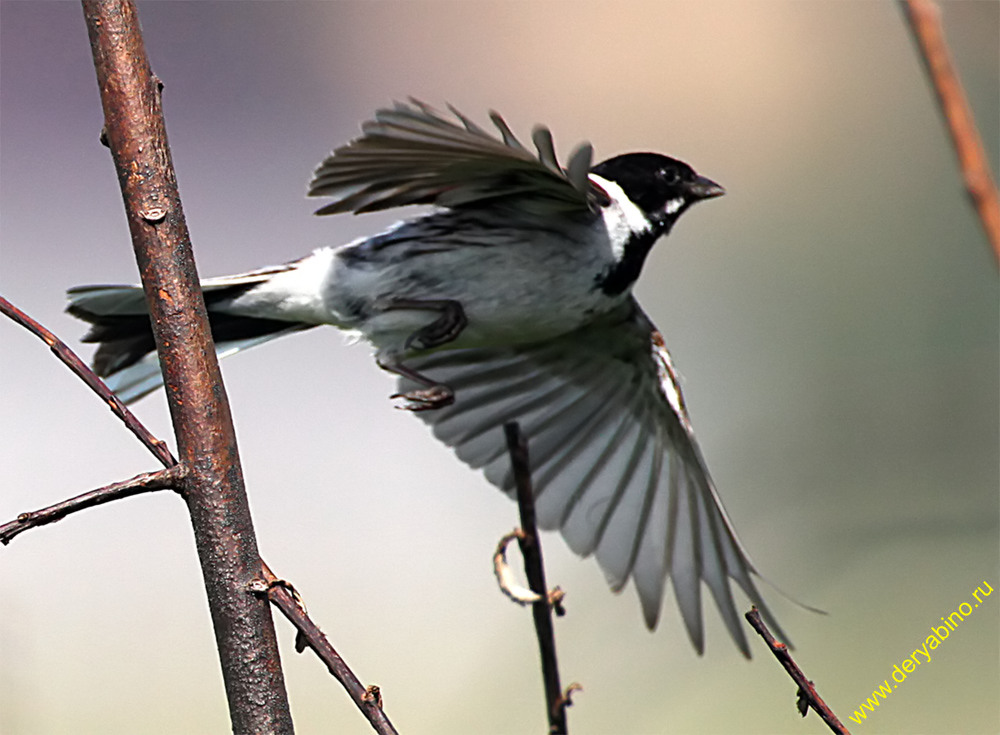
(279, 593)
(168, 479)
(288, 601)
(531, 551)
(214, 489)
(69, 358)
(146, 185)
(807, 694)
(924, 20)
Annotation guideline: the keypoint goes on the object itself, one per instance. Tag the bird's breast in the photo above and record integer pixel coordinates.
(515, 284)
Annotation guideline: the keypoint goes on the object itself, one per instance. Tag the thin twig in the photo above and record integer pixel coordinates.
(283, 596)
(807, 694)
(531, 551)
(924, 19)
(69, 358)
(168, 479)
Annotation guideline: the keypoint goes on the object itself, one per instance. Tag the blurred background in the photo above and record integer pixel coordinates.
(835, 318)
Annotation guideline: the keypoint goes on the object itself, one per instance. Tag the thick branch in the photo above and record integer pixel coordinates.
(925, 24)
(807, 694)
(206, 441)
(531, 550)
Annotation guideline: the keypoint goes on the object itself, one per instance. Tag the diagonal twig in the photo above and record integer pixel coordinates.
(70, 359)
(167, 479)
(807, 694)
(283, 596)
(531, 551)
(924, 19)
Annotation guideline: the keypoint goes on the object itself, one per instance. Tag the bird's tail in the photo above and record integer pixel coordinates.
(126, 353)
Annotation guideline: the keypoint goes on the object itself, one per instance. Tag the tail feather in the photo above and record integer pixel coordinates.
(126, 353)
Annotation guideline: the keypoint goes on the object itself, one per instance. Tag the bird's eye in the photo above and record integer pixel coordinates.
(669, 176)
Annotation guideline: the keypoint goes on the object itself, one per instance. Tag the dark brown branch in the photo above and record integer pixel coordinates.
(74, 363)
(287, 600)
(531, 550)
(807, 694)
(172, 478)
(168, 479)
(924, 19)
(206, 441)
(280, 594)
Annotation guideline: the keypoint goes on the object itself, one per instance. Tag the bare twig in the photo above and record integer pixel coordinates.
(531, 550)
(807, 694)
(168, 479)
(924, 19)
(74, 363)
(287, 600)
(206, 441)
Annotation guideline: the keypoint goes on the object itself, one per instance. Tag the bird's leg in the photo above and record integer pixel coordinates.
(442, 330)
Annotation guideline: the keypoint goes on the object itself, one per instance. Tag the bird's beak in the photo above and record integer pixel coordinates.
(702, 188)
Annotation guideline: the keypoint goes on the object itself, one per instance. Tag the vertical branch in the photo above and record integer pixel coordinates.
(925, 24)
(531, 550)
(213, 488)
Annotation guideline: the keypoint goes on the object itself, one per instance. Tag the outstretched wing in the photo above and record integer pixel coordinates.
(413, 154)
(614, 461)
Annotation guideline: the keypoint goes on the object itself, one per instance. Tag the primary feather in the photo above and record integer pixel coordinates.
(414, 155)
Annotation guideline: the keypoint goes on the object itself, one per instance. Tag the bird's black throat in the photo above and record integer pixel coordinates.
(619, 276)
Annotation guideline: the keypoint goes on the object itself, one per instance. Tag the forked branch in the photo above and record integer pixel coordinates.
(280, 593)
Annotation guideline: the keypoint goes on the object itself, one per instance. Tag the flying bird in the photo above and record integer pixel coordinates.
(510, 300)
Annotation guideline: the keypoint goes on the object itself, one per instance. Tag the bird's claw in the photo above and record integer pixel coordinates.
(426, 399)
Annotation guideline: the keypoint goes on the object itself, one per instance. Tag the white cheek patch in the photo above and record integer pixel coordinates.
(621, 217)
(674, 205)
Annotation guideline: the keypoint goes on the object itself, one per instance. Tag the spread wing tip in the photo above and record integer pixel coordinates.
(412, 153)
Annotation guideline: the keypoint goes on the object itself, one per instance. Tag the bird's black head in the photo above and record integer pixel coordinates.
(662, 187)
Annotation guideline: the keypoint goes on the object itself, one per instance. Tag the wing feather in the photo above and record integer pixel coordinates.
(685, 559)
(614, 463)
(413, 154)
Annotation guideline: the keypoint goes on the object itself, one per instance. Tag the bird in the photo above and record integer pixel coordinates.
(508, 299)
